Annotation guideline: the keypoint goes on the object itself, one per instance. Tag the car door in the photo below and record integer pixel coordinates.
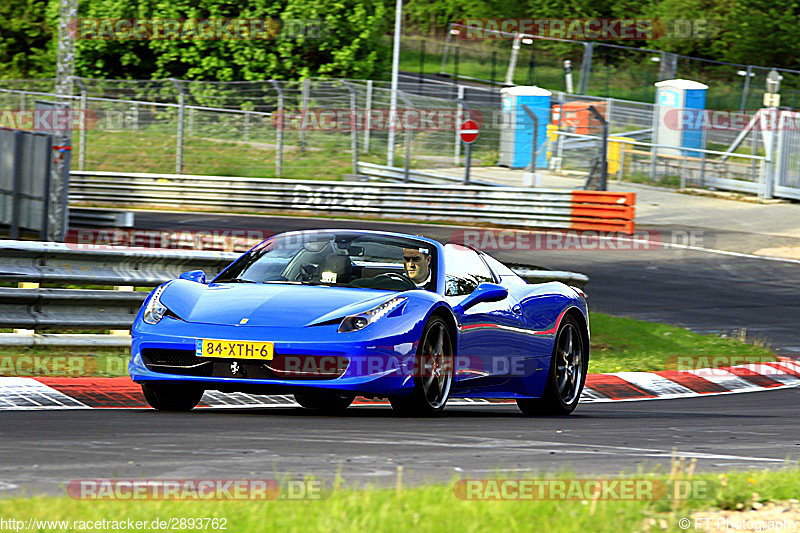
(490, 340)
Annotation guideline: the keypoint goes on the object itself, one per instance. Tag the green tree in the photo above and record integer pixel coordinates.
(349, 43)
(25, 39)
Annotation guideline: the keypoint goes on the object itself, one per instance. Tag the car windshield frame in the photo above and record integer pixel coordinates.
(334, 259)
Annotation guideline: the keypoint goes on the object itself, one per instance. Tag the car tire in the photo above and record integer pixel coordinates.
(172, 396)
(433, 373)
(566, 375)
(327, 403)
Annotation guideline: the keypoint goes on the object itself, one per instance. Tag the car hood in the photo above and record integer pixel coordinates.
(266, 304)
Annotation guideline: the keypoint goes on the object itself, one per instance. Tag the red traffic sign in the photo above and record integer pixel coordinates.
(469, 131)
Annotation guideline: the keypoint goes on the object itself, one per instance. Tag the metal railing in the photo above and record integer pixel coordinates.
(509, 206)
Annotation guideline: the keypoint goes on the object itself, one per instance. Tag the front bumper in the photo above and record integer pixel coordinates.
(376, 363)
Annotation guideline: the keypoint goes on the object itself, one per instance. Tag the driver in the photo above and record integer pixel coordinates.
(418, 267)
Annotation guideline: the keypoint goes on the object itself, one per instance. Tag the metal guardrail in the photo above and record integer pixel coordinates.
(52, 309)
(59, 263)
(507, 206)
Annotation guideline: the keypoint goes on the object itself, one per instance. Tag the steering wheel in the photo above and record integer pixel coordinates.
(397, 277)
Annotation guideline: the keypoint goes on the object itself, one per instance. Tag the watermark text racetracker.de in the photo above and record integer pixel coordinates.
(198, 489)
(125, 29)
(583, 489)
(490, 240)
(586, 29)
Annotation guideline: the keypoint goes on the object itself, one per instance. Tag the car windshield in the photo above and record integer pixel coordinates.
(359, 260)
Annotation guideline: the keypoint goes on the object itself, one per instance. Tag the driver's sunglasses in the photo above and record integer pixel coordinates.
(415, 259)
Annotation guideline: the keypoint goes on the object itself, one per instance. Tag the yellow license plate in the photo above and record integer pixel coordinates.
(263, 351)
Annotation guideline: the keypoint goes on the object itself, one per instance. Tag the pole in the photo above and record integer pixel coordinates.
(459, 120)
(745, 88)
(353, 127)
(368, 118)
(468, 153)
(181, 111)
(534, 140)
(82, 135)
(279, 133)
(603, 149)
(421, 65)
(304, 112)
(512, 63)
(398, 17)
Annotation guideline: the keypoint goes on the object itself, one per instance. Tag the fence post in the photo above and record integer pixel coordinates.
(407, 140)
(745, 88)
(459, 119)
(82, 134)
(512, 63)
(446, 48)
(191, 120)
(534, 141)
(304, 94)
(22, 100)
(181, 113)
(421, 65)
(559, 140)
(586, 67)
(353, 126)
(368, 120)
(279, 133)
(603, 149)
(16, 176)
(246, 133)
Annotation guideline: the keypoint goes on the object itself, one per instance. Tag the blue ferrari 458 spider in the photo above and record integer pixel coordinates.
(334, 314)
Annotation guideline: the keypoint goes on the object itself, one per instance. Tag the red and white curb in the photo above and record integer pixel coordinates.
(44, 393)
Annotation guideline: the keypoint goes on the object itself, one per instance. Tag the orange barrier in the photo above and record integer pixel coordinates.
(603, 211)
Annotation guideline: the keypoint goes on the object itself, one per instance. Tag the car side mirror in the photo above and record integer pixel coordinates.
(485, 292)
(198, 276)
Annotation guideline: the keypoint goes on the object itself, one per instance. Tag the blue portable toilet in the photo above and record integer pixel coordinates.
(516, 134)
(680, 105)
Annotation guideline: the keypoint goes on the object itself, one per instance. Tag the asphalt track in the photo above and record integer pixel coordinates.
(708, 292)
(41, 451)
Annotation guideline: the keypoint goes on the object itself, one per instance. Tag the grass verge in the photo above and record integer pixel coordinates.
(618, 344)
(436, 507)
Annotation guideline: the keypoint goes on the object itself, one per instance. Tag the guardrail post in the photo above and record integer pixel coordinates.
(459, 120)
(25, 285)
(181, 111)
(368, 120)
(279, 133)
(353, 126)
(304, 94)
(82, 135)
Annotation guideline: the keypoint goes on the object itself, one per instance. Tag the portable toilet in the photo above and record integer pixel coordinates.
(680, 105)
(516, 135)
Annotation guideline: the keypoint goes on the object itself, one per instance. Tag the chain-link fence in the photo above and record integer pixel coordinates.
(600, 69)
(306, 129)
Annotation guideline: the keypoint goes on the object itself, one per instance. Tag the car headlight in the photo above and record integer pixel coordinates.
(155, 310)
(362, 320)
